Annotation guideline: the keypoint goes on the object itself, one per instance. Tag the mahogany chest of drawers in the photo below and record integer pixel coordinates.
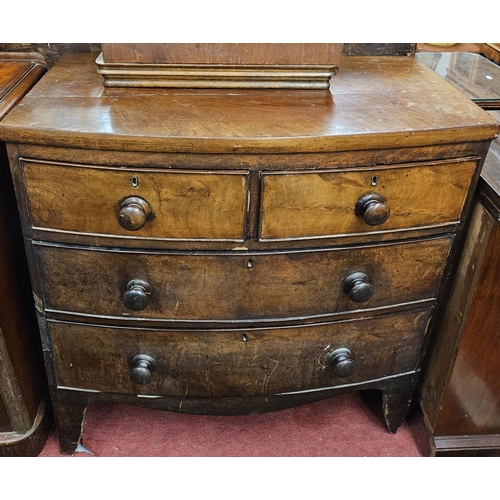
(232, 251)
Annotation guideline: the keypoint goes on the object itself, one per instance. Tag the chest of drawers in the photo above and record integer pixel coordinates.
(235, 252)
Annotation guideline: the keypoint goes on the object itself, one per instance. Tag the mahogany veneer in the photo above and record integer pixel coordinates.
(241, 252)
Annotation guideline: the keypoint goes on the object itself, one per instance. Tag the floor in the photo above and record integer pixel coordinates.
(350, 425)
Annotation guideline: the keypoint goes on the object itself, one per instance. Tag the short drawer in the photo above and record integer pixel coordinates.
(236, 362)
(143, 203)
(320, 204)
(170, 286)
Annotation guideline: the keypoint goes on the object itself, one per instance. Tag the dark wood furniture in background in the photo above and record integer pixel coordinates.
(52, 51)
(460, 394)
(238, 252)
(24, 405)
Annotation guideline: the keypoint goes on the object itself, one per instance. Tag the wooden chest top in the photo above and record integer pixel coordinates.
(373, 103)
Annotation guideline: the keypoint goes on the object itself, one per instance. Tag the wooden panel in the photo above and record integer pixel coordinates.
(222, 363)
(446, 341)
(205, 287)
(312, 204)
(471, 403)
(187, 205)
(223, 53)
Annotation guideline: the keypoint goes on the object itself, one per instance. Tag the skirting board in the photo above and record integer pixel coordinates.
(486, 445)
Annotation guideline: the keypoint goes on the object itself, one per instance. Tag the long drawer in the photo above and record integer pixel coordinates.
(170, 286)
(236, 362)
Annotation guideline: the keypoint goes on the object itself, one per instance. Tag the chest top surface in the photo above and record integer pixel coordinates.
(373, 103)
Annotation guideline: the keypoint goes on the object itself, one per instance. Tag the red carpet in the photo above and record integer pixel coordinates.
(346, 426)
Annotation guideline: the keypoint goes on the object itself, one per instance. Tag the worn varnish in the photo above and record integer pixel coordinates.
(321, 232)
(378, 112)
(252, 362)
(238, 287)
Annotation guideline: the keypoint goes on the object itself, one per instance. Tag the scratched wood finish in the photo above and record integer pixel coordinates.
(390, 109)
(223, 53)
(301, 205)
(217, 363)
(383, 112)
(211, 287)
(188, 205)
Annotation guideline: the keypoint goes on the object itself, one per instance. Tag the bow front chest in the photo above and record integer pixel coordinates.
(241, 251)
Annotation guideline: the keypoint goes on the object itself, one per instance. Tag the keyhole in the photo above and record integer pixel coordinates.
(249, 263)
(244, 337)
(374, 180)
(134, 181)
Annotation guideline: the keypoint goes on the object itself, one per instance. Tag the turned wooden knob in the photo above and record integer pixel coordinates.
(342, 363)
(136, 297)
(134, 213)
(372, 207)
(141, 370)
(359, 288)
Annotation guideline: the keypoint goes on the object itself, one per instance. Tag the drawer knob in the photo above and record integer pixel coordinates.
(359, 288)
(143, 365)
(136, 298)
(372, 207)
(134, 213)
(342, 363)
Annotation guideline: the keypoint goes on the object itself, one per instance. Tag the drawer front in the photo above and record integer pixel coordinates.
(314, 204)
(211, 286)
(236, 362)
(140, 203)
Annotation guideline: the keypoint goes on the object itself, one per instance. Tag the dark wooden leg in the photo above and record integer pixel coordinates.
(396, 399)
(69, 423)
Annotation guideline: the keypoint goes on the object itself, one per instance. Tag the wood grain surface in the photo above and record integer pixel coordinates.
(221, 363)
(309, 204)
(211, 286)
(187, 205)
(223, 53)
(71, 107)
